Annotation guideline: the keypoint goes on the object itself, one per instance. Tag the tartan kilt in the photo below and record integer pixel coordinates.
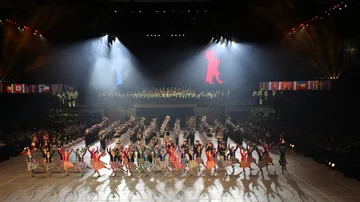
(49, 166)
(178, 165)
(233, 160)
(32, 166)
(171, 161)
(125, 161)
(210, 164)
(184, 161)
(193, 164)
(268, 159)
(81, 165)
(250, 159)
(115, 165)
(199, 160)
(140, 162)
(282, 161)
(68, 164)
(92, 162)
(147, 164)
(163, 165)
(262, 163)
(132, 165)
(244, 164)
(224, 164)
(97, 165)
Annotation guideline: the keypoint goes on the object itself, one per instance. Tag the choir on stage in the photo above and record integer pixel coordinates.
(152, 152)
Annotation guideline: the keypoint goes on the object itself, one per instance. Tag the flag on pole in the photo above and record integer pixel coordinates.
(30, 89)
(44, 88)
(9, 88)
(18, 88)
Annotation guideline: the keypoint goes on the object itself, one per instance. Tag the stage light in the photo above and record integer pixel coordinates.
(164, 11)
(157, 11)
(175, 35)
(189, 11)
(115, 11)
(329, 163)
(333, 165)
(172, 35)
(183, 34)
(147, 35)
(139, 11)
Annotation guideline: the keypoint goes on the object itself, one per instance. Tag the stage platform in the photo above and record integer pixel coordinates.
(305, 181)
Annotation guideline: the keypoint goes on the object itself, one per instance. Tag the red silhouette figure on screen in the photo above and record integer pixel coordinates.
(213, 67)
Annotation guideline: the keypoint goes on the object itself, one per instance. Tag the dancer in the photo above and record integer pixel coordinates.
(126, 157)
(49, 162)
(213, 67)
(80, 153)
(232, 155)
(98, 164)
(261, 162)
(244, 164)
(192, 163)
(32, 164)
(197, 153)
(183, 155)
(250, 158)
(282, 161)
(210, 163)
(267, 159)
(113, 163)
(164, 166)
(67, 164)
(178, 166)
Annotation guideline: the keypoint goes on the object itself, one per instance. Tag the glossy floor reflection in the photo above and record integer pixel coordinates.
(305, 181)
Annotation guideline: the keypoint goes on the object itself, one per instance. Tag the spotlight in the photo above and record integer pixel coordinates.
(172, 35)
(333, 165)
(329, 163)
(147, 35)
(183, 34)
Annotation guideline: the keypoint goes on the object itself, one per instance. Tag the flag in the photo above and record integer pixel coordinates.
(57, 88)
(301, 85)
(268, 85)
(30, 88)
(262, 85)
(9, 88)
(316, 85)
(43, 88)
(274, 85)
(279, 85)
(327, 85)
(18, 88)
(287, 85)
(310, 85)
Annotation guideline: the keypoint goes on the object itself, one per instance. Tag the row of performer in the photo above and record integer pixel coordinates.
(159, 157)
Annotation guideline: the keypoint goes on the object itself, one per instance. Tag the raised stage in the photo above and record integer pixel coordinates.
(305, 181)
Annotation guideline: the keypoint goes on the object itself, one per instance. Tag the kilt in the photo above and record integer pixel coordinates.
(233, 160)
(131, 165)
(210, 164)
(262, 163)
(68, 164)
(81, 165)
(171, 161)
(49, 166)
(199, 160)
(268, 159)
(97, 165)
(282, 161)
(244, 164)
(250, 159)
(115, 165)
(125, 161)
(140, 162)
(178, 165)
(147, 164)
(224, 164)
(32, 166)
(163, 165)
(193, 164)
(184, 161)
(91, 161)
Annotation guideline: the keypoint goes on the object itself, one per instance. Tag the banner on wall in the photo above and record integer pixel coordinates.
(30, 88)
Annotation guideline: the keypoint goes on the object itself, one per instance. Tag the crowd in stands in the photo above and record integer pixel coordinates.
(13, 144)
(168, 93)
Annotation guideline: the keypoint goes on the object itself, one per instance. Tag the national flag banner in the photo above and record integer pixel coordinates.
(279, 85)
(291, 85)
(327, 85)
(57, 88)
(301, 85)
(30, 88)
(316, 85)
(9, 88)
(268, 85)
(263, 85)
(310, 85)
(18, 88)
(274, 85)
(43, 88)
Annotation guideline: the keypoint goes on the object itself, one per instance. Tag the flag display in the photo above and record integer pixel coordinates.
(30, 88)
(296, 85)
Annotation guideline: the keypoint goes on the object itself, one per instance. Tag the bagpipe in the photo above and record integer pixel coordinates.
(123, 128)
(177, 128)
(219, 130)
(191, 123)
(165, 125)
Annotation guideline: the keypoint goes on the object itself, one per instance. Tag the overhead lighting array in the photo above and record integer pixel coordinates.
(168, 11)
(23, 28)
(222, 40)
(338, 7)
(171, 35)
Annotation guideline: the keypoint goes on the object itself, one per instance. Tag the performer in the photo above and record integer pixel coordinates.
(192, 163)
(210, 163)
(98, 164)
(171, 150)
(126, 157)
(147, 165)
(132, 164)
(92, 154)
(80, 153)
(268, 160)
(177, 131)
(232, 155)
(67, 163)
(32, 164)
(250, 158)
(261, 162)
(49, 161)
(244, 164)
(197, 153)
(162, 161)
(282, 161)
(113, 163)
(183, 155)
(178, 166)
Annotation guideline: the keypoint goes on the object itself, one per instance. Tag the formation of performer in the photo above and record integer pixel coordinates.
(149, 154)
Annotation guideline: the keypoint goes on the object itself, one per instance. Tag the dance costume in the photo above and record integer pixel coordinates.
(49, 164)
(267, 157)
(282, 149)
(32, 164)
(250, 158)
(210, 163)
(98, 164)
(244, 164)
(113, 157)
(67, 163)
(80, 159)
(232, 154)
(192, 163)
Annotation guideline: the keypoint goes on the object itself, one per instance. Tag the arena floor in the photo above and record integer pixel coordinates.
(305, 181)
